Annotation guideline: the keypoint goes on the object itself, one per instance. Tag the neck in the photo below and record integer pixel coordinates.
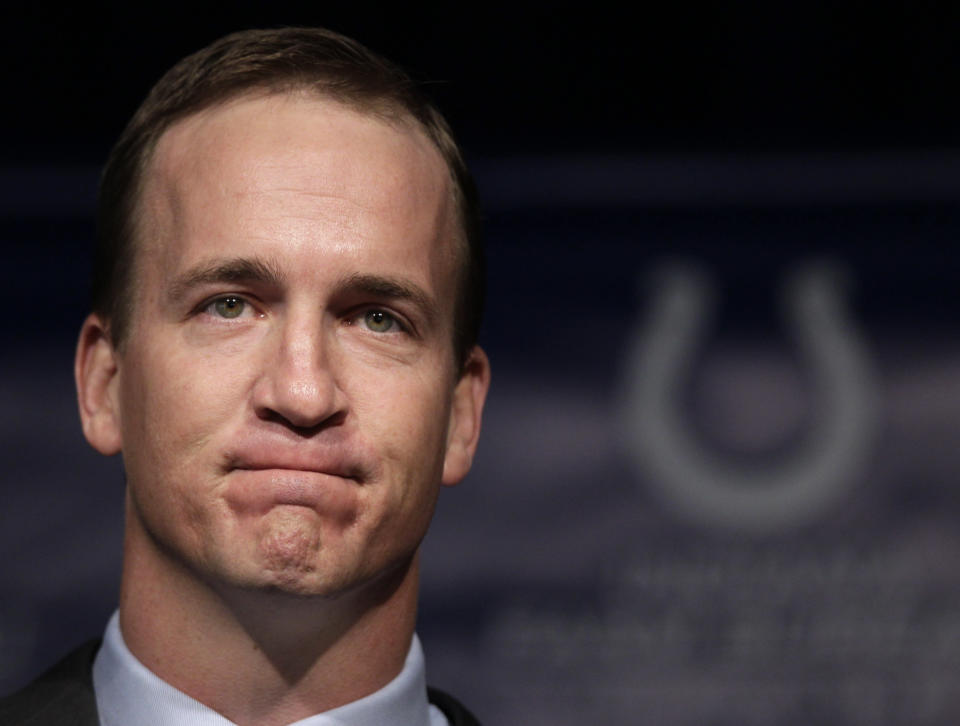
(262, 657)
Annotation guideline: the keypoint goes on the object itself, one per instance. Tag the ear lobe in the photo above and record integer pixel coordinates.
(466, 413)
(95, 372)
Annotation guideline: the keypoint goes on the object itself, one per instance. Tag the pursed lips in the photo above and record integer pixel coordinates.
(267, 475)
(296, 467)
(331, 460)
(257, 491)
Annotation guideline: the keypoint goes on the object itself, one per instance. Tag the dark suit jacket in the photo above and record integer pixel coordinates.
(63, 696)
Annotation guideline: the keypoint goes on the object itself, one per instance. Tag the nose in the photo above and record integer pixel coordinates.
(298, 385)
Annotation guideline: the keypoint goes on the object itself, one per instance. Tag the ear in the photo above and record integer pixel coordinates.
(465, 414)
(95, 371)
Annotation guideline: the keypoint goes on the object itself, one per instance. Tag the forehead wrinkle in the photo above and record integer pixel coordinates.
(308, 196)
(396, 190)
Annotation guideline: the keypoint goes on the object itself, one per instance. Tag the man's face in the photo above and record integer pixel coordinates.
(286, 400)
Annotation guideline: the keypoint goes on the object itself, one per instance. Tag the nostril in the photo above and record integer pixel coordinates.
(303, 429)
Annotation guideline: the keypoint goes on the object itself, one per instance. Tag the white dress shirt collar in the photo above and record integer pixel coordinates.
(129, 693)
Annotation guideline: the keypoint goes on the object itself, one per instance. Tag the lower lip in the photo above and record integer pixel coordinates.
(259, 490)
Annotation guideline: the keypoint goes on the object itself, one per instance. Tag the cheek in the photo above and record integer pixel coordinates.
(408, 431)
(170, 407)
(405, 420)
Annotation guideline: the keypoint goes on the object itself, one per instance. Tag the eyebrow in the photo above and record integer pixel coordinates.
(232, 270)
(391, 288)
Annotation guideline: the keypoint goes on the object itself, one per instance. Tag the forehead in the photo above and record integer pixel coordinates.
(299, 165)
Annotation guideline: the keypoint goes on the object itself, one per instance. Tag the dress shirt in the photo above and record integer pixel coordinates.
(128, 693)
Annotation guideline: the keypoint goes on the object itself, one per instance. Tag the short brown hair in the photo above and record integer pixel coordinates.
(276, 61)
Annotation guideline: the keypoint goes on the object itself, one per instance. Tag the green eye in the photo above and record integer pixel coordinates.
(229, 307)
(379, 321)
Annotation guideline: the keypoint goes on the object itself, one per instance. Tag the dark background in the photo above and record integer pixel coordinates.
(516, 79)
(561, 585)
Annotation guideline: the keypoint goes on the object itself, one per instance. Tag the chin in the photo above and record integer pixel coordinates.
(293, 581)
(293, 553)
(333, 577)
(296, 566)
